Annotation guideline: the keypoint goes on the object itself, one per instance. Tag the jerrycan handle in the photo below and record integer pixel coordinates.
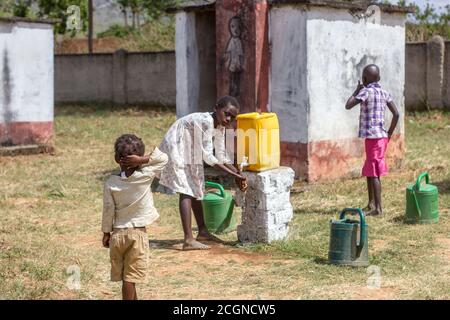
(362, 223)
(419, 180)
(216, 186)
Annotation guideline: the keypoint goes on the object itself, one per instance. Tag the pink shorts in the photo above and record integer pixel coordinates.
(375, 165)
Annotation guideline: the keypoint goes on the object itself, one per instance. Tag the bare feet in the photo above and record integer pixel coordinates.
(194, 245)
(375, 212)
(370, 207)
(206, 236)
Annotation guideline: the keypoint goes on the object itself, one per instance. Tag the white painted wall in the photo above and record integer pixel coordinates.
(338, 48)
(187, 64)
(26, 58)
(317, 58)
(288, 75)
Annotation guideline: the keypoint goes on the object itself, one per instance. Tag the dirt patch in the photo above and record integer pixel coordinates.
(103, 45)
(379, 245)
(383, 293)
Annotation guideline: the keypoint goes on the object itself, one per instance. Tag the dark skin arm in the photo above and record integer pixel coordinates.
(395, 117)
(352, 101)
(105, 240)
(135, 161)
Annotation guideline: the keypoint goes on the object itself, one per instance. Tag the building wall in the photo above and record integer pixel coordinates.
(151, 78)
(317, 57)
(289, 97)
(416, 75)
(80, 78)
(338, 50)
(121, 77)
(427, 75)
(195, 62)
(26, 90)
(288, 88)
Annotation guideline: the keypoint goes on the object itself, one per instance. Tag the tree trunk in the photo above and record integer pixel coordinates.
(125, 16)
(90, 26)
(134, 19)
(139, 21)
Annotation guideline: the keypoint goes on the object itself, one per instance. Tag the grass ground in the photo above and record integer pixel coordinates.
(51, 210)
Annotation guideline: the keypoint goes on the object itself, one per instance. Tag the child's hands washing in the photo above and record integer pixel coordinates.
(241, 182)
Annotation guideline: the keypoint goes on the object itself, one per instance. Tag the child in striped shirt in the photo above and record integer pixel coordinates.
(373, 100)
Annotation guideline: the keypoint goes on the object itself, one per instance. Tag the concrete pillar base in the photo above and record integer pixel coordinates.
(266, 207)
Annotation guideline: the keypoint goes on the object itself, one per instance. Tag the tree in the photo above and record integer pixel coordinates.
(157, 8)
(150, 8)
(124, 4)
(21, 8)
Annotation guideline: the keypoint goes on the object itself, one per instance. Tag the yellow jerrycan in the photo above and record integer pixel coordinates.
(258, 139)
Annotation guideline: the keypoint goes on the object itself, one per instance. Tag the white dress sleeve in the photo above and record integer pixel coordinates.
(207, 131)
(220, 146)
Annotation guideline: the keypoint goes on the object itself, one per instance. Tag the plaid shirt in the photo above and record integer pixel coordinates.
(373, 105)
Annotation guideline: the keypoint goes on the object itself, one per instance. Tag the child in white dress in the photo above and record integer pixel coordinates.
(189, 143)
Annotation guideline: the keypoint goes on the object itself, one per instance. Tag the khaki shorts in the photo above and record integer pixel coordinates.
(128, 250)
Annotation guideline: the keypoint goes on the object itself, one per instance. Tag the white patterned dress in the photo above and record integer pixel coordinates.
(190, 141)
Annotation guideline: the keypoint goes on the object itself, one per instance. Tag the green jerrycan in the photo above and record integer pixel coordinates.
(218, 209)
(347, 245)
(422, 202)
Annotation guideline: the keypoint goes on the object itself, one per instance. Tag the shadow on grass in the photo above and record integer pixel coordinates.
(321, 260)
(331, 211)
(177, 244)
(443, 186)
(398, 219)
(171, 244)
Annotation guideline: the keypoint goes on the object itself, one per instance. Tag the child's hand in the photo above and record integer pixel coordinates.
(241, 183)
(359, 87)
(105, 240)
(132, 161)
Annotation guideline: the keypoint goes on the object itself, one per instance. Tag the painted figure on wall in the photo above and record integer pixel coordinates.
(234, 55)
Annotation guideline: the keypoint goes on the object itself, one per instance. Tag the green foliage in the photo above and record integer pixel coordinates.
(21, 8)
(156, 8)
(6, 8)
(153, 9)
(156, 35)
(427, 23)
(117, 31)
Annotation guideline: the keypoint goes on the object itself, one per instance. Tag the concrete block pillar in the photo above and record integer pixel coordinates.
(447, 76)
(242, 52)
(120, 77)
(266, 206)
(435, 71)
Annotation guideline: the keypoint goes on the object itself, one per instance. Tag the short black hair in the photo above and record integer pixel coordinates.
(373, 70)
(129, 144)
(227, 100)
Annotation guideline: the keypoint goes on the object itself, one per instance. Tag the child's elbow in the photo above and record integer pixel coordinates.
(396, 114)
